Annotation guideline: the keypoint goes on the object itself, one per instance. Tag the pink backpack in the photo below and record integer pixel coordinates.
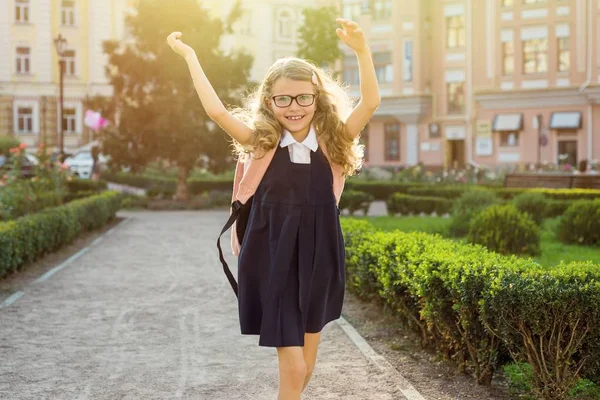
(245, 182)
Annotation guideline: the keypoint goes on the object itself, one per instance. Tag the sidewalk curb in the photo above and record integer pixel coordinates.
(384, 366)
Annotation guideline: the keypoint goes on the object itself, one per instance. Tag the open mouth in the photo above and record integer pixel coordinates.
(294, 117)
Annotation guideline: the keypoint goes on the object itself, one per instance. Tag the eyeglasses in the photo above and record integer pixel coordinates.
(303, 100)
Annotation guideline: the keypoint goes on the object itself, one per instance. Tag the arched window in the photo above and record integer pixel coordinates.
(285, 24)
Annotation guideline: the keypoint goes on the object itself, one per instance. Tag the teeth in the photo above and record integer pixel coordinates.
(296, 117)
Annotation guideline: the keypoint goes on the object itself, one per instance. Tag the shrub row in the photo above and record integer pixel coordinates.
(477, 307)
(406, 204)
(380, 190)
(28, 196)
(168, 185)
(355, 200)
(25, 239)
(581, 223)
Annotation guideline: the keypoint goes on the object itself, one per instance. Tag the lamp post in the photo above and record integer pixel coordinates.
(61, 43)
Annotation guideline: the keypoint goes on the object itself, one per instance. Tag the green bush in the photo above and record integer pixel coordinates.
(406, 204)
(532, 203)
(25, 239)
(80, 185)
(381, 190)
(446, 192)
(553, 194)
(519, 378)
(28, 196)
(7, 143)
(547, 317)
(581, 223)
(505, 230)
(466, 207)
(354, 200)
(476, 306)
(556, 208)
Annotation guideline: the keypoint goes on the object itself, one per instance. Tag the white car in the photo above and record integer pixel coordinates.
(81, 163)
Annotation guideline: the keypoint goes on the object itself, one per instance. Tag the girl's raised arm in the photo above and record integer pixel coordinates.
(352, 35)
(210, 101)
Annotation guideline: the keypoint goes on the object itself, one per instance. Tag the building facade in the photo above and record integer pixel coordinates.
(29, 65)
(267, 29)
(486, 82)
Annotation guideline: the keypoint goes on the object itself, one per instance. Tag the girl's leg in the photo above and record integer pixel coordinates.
(292, 371)
(311, 344)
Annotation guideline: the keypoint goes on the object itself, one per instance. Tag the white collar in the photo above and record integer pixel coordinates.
(310, 141)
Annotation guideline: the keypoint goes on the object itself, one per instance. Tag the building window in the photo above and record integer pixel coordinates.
(408, 60)
(508, 58)
(383, 67)
(455, 31)
(535, 56)
(507, 3)
(68, 12)
(23, 60)
(364, 140)
(456, 97)
(69, 120)
(351, 70)
(69, 58)
(382, 9)
(285, 25)
(509, 139)
(351, 9)
(392, 141)
(533, 1)
(22, 10)
(24, 120)
(564, 55)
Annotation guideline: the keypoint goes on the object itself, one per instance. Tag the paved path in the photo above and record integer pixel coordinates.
(147, 313)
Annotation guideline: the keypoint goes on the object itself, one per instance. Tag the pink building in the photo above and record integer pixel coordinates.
(486, 81)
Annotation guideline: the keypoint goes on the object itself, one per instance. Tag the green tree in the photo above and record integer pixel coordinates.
(158, 112)
(317, 40)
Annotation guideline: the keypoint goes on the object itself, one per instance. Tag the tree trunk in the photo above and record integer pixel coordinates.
(182, 188)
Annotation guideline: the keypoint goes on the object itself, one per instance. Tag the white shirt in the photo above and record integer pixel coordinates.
(300, 152)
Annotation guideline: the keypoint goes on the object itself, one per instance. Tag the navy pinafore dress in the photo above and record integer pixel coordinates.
(291, 265)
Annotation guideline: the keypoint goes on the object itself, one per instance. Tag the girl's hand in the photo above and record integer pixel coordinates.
(178, 46)
(352, 35)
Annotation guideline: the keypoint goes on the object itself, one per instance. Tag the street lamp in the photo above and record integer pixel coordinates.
(61, 43)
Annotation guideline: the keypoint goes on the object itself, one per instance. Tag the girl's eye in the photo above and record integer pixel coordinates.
(304, 97)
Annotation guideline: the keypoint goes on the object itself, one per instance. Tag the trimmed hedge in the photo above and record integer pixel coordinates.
(406, 204)
(446, 192)
(581, 223)
(554, 194)
(505, 230)
(25, 239)
(475, 305)
(355, 200)
(466, 207)
(534, 204)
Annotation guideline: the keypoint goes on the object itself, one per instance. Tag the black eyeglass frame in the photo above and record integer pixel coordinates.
(294, 98)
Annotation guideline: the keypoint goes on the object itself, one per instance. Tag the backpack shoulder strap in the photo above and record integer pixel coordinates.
(245, 182)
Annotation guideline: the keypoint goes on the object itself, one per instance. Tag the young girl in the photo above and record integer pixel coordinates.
(291, 266)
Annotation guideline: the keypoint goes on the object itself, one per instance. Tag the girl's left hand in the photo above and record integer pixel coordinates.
(352, 35)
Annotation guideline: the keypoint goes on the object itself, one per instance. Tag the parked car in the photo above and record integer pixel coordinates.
(27, 167)
(81, 163)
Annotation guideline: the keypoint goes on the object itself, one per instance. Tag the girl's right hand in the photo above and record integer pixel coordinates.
(178, 46)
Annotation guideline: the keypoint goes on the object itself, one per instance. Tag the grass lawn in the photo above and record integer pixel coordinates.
(553, 250)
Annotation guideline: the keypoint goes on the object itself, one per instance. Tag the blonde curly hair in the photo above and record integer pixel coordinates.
(333, 106)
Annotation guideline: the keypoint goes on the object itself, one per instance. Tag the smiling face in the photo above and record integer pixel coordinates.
(294, 118)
